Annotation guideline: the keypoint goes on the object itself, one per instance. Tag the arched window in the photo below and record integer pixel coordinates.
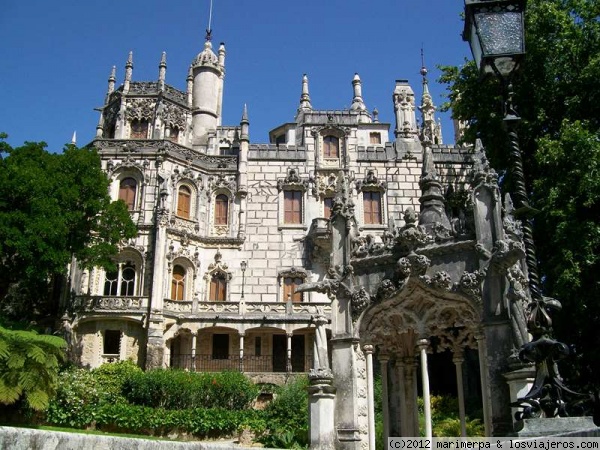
(331, 147)
(218, 287)
(178, 283)
(372, 207)
(120, 281)
(128, 279)
(292, 206)
(139, 129)
(221, 209)
(174, 134)
(289, 289)
(111, 283)
(184, 201)
(127, 189)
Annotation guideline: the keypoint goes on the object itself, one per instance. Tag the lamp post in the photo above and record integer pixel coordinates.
(495, 31)
(243, 266)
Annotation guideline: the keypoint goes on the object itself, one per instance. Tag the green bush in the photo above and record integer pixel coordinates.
(177, 389)
(199, 422)
(287, 416)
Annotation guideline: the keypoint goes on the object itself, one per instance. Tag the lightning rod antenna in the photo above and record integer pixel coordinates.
(209, 29)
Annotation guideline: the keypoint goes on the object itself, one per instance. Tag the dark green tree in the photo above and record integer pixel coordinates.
(557, 93)
(52, 207)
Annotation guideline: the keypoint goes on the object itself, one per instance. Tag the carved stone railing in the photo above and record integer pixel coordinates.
(311, 308)
(219, 307)
(109, 303)
(178, 306)
(266, 308)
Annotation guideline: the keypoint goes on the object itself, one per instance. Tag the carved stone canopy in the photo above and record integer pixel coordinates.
(218, 268)
(419, 311)
(371, 182)
(292, 181)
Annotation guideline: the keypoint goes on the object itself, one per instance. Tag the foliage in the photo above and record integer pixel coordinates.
(29, 365)
(558, 97)
(52, 206)
(444, 418)
(176, 389)
(287, 416)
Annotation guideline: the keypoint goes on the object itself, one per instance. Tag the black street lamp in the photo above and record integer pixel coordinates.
(243, 266)
(496, 33)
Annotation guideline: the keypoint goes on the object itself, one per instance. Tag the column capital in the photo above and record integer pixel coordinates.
(457, 359)
(384, 358)
(423, 343)
(368, 349)
(241, 334)
(290, 334)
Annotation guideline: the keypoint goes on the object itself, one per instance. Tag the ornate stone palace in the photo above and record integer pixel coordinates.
(331, 249)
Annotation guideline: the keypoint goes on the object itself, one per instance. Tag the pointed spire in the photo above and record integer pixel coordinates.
(433, 211)
(222, 54)
(430, 131)
(357, 102)
(111, 84)
(128, 72)
(245, 125)
(305, 104)
(162, 71)
(74, 138)
(190, 85)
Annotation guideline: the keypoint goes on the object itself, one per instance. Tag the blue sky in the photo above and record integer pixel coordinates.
(57, 56)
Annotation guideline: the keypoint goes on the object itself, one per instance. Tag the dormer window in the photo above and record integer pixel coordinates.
(331, 147)
(139, 129)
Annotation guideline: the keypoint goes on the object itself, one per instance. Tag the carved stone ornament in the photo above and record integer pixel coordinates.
(359, 300)
(386, 289)
(506, 253)
(140, 108)
(324, 185)
(294, 272)
(411, 235)
(441, 280)
(292, 180)
(128, 162)
(512, 226)
(482, 174)
(218, 267)
(220, 181)
(183, 251)
(470, 284)
(174, 116)
(371, 181)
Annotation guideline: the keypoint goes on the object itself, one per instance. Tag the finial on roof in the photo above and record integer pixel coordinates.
(128, 72)
(111, 83)
(162, 70)
(376, 115)
(357, 102)
(245, 125)
(305, 104)
(74, 138)
(209, 29)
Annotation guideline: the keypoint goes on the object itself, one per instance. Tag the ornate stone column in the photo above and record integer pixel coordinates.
(383, 360)
(458, 360)
(423, 343)
(288, 361)
(485, 391)
(242, 352)
(321, 394)
(368, 349)
(194, 343)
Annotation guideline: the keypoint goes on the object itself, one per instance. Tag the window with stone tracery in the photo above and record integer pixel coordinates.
(139, 129)
(120, 281)
(178, 283)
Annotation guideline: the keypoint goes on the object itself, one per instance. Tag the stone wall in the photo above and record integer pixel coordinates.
(29, 439)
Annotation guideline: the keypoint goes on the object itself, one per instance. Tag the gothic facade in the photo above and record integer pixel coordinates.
(328, 246)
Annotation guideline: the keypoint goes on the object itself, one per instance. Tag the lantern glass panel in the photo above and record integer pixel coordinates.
(500, 33)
